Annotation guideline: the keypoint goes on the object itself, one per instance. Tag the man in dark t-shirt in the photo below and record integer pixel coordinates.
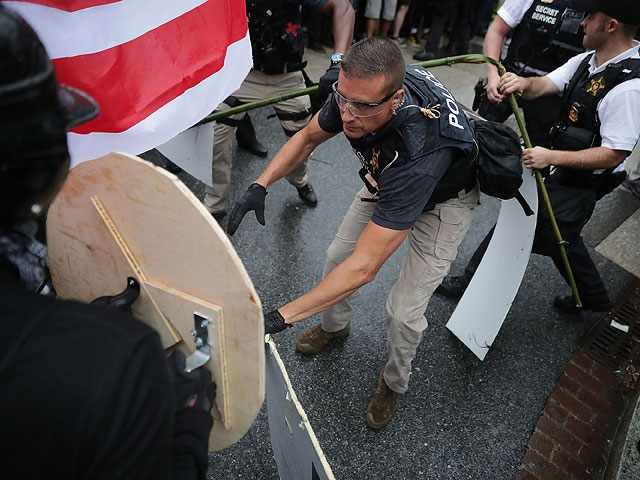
(413, 142)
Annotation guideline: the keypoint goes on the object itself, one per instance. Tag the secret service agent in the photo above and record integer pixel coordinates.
(595, 133)
(545, 35)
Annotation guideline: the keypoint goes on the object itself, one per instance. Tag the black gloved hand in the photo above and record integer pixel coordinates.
(252, 199)
(325, 84)
(123, 300)
(194, 389)
(274, 322)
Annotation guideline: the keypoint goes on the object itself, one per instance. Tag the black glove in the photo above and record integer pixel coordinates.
(123, 300)
(325, 84)
(252, 199)
(194, 389)
(274, 322)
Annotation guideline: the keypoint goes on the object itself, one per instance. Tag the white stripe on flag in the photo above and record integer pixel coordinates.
(67, 34)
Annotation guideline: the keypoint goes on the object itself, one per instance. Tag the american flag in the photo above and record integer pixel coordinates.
(155, 67)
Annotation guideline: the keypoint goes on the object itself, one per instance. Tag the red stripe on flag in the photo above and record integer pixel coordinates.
(71, 5)
(133, 80)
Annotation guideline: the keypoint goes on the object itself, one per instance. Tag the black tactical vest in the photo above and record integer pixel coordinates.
(578, 127)
(276, 36)
(422, 135)
(548, 35)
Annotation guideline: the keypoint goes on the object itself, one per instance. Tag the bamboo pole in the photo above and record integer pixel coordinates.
(439, 62)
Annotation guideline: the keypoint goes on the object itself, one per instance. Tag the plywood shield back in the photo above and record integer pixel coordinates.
(120, 216)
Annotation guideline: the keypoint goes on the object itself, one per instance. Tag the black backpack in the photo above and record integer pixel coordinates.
(499, 161)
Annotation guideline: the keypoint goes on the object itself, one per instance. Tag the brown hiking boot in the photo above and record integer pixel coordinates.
(316, 339)
(382, 405)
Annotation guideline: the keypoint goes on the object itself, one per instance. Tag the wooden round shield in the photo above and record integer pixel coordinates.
(119, 216)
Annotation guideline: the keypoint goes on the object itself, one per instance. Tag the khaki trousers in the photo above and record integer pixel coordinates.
(433, 245)
(257, 86)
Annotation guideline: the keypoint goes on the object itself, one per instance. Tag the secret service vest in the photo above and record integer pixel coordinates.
(548, 35)
(579, 113)
(276, 38)
(578, 126)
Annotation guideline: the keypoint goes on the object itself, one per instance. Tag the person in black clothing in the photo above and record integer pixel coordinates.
(544, 36)
(440, 14)
(85, 391)
(277, 48)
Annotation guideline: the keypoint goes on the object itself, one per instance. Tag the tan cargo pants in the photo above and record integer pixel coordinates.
(433, 245)
(257, 86)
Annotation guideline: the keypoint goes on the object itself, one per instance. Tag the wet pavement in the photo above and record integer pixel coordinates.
(461, 418)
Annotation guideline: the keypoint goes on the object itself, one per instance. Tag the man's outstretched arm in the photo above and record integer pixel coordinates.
(374, 247)
(292, 154)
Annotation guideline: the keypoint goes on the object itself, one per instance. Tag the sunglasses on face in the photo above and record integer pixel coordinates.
(358, 108)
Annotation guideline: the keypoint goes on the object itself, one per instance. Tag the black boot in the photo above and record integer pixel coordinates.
(423, 56)
(246, 136)
(453, 287)
(568, 305)
(307, 195)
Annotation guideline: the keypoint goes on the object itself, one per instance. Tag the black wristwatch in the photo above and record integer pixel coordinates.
(336, 58)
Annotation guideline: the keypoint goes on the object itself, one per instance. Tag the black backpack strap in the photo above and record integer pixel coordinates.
(629, 69)
(526, 208)
(577, 77)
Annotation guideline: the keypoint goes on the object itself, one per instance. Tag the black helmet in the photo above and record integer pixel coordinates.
(35, 113)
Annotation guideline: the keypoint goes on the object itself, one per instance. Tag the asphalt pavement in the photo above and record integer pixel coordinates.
(461, 418)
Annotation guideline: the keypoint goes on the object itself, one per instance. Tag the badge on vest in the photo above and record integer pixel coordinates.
(574, 113)
(595, 86)
(546, 1)
(374, 162)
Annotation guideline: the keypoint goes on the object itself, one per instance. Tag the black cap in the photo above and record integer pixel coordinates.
(625, 11)
(78, 107)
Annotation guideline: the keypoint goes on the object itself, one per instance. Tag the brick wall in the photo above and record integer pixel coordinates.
(575, 433)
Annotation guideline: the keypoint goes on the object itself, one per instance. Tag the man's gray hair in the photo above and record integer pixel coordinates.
(374, 56)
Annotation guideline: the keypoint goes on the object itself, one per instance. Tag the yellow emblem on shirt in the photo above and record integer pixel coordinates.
(573, 113)
(546, 1)
(374, 160)
(595, 86)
